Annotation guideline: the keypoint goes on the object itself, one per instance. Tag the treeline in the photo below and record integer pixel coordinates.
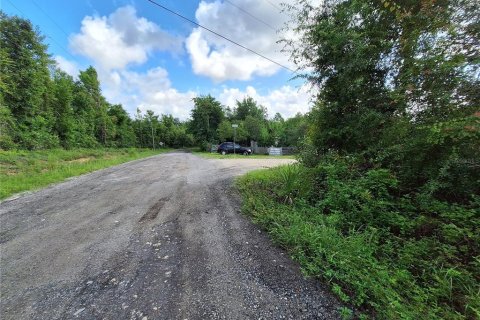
(211, 123)
(385, 205)
(43, 107)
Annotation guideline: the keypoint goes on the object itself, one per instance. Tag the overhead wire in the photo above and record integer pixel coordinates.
(219, 35)
(274, 5)
(250, 15)
(51, 19)
(55, 41)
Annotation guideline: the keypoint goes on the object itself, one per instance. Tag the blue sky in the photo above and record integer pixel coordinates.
(148, 58)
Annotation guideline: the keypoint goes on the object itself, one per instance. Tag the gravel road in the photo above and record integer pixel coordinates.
(157, 238)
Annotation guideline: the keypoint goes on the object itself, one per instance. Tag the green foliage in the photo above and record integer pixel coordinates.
(391, 156)
(398, 256)
(384, 63)
(226, 132)
(25, 84)
(440, 158)
(249, 107)
(290, 132)
(41, 107)
(256, 129)
(7, 128)
(154, 131)
(207, 115)
(28, 170)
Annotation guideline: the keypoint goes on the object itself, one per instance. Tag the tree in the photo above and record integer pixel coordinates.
(7, 128)
(376, 61)
(295, 130)
(397, 82)
(256, 129)
(226, 132)
(124, 132)
(276, 130)
(43, 107)
(97, 105)
(26, 81)
(249, 107)
(62, 98)
(207, 114)
(7, 122)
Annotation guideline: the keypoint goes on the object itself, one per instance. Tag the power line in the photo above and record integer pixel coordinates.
(249, 14)
(55, 41)
(219, 35)
(51, 19)
(274, 5)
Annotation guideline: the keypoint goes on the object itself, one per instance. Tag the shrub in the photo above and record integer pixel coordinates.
(394, 255)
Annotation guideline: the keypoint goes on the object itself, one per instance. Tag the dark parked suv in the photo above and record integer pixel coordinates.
(227, 147)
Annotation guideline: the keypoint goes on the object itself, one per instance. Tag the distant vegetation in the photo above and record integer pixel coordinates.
(54, 126)
(42, 107)
(385, 203)
(213, 123)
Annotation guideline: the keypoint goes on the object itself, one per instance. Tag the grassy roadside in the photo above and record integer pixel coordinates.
(29, 170)
(214, 155)
(380, 252)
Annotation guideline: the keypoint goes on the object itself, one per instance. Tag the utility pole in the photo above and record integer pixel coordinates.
(234, 126)
(153, 137)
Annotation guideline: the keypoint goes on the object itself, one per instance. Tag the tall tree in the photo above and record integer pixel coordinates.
(207, 114)
(124, 134)
(249, 107)
(62, 98)
(398, 83)
(295, 130)
(256, 129)
(26, 82)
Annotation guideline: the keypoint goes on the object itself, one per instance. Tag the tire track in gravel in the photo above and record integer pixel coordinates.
(158, 238)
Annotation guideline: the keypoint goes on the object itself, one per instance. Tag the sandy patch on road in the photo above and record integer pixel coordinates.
(254, 163)
(80, 160)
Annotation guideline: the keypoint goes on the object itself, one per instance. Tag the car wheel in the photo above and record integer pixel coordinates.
(245, 153)
(223, 152)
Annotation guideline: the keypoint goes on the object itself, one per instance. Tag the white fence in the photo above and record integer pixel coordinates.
(274, 151)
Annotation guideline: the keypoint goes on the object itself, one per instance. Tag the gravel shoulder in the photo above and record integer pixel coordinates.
(156, 238)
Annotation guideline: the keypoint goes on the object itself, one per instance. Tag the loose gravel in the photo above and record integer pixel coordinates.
(157, 238)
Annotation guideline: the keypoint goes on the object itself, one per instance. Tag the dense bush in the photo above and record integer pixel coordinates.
(385, 204)
(399, 256)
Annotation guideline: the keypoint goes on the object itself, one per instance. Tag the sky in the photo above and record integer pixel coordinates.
(148, 58)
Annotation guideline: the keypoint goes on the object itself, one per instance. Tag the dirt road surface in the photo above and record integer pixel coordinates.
(157, 238)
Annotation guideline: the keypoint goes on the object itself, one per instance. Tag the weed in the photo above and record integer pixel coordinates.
(28, 170)
(395, 256)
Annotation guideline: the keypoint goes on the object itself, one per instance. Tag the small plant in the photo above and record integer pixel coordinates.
(346, 313)
(397, 256)
(289, 176)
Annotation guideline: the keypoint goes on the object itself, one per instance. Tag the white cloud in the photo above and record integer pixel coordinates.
(68, 66)
(286, 100)
(221, 60)
(151, 90)
(121, 39)
(117, 42)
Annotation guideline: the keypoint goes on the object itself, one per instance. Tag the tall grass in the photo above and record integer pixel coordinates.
(393, 256)
(28, 170)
